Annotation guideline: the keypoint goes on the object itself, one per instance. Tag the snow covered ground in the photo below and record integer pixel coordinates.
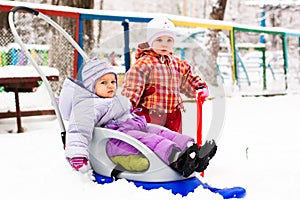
(258, 150)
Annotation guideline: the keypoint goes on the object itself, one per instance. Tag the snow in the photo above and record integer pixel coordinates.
(257, 150)
(10, 71)
(273, 2)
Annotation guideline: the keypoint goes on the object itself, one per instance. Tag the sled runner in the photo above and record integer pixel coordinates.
(156, 175)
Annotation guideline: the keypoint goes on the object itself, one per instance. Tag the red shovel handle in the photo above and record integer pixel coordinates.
(200, 101)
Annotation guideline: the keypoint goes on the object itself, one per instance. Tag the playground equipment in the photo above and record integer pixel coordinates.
(81, 15)
(14, 55)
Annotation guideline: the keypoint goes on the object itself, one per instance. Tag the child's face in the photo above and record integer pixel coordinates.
(106, 86)
(163, 45)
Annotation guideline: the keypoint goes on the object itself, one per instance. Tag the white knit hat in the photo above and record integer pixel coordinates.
(93, 70)
(159, 26)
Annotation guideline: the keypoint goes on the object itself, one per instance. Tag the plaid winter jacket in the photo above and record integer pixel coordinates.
(156, 81)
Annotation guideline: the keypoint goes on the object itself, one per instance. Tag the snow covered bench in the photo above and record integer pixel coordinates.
(23, 79)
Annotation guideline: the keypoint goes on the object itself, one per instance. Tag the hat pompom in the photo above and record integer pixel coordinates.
(159, 26)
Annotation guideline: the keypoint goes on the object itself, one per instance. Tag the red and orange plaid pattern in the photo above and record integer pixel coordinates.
(166, 77)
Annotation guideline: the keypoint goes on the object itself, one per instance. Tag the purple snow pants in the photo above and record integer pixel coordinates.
(160, 140)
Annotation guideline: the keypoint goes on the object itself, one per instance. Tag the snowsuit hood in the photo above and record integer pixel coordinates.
(144, 52)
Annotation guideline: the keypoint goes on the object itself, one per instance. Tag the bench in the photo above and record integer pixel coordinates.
(24, 79)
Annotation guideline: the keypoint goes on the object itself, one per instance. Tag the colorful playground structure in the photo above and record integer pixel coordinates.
(13, 55)
(238, 70)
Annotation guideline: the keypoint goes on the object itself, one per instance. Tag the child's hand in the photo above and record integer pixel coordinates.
(80, 164)
(202, 93)
(151, 90)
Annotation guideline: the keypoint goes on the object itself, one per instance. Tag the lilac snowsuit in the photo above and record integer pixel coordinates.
(85, 110)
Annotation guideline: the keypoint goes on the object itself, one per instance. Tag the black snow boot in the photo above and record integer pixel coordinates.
(187, 161)
(206, 153)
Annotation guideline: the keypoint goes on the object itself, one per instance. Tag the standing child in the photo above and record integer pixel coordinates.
(94, 103)
(154, 82)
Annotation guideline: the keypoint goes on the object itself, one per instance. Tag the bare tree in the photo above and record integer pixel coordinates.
(6, 35)
(100, 22)
(61, 54)
(3, 20)
(89, 39)
(217, 13)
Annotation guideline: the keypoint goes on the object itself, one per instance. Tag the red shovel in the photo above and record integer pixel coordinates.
(200, 101)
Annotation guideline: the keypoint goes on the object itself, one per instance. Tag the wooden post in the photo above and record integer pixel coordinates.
(18, 112)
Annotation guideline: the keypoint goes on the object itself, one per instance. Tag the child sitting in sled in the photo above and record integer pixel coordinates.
(93, 102)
